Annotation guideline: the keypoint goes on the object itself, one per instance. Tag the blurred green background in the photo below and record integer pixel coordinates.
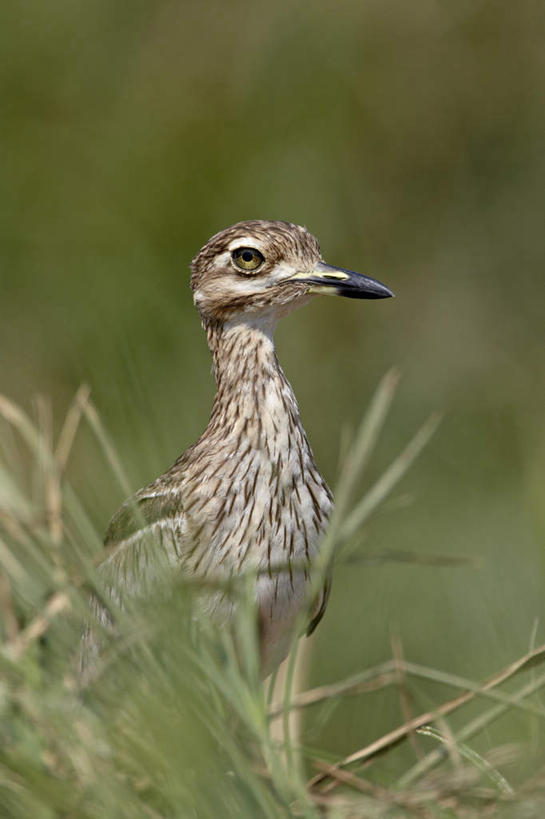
(409, 138)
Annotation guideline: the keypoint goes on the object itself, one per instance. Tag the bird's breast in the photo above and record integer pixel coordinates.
(253, 499)
(265, 509)
(253, 494)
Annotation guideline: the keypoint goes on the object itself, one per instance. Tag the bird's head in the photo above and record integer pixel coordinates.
(269, 268)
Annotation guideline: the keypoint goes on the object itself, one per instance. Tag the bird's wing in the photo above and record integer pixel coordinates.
(143, 544)
(143, 539)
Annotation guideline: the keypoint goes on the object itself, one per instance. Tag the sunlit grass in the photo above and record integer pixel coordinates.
(174, 720)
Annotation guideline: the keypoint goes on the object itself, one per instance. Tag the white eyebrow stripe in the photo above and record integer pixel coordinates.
(246, 241)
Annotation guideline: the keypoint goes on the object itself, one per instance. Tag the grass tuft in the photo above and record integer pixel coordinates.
(176, 721)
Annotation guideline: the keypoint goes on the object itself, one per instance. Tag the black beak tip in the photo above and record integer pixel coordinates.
(380, 291)
(387, 294)
(371, 290)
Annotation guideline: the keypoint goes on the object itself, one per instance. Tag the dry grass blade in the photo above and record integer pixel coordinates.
(95, 423)
(386, 673)
(9, 618)
(473, 727)
(61, 454)
(472, 756)
(392, 738)
(350, 779)
(462, 682)
(10, 563)
(405, 695)
(50, 479)
(404, 799)
(50, 464)
(57, 603)
(22, 423)
(369, 680)
(14, 506)
(70, 427)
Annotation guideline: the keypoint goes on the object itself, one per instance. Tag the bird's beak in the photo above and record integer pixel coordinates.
(336, 281)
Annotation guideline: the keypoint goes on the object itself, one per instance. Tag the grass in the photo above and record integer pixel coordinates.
(175, 722)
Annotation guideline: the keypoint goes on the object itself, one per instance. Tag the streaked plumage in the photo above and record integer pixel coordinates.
(248, 492)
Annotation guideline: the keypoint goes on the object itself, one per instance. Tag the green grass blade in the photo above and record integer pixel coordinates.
(388, 480)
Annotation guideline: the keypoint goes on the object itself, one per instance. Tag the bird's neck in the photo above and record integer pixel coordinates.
(250, 382)
(243, 354)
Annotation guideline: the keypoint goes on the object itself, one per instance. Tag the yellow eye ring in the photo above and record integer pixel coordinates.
(247, 258)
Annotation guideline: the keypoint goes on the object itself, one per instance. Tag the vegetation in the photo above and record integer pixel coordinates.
(408, 138)
(173, 720)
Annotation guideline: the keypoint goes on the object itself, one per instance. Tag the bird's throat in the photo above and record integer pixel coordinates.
(253, 395)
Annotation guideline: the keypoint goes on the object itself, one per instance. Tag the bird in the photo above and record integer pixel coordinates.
(248, 495)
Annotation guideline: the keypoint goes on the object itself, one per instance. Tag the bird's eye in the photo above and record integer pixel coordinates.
(247, 258)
